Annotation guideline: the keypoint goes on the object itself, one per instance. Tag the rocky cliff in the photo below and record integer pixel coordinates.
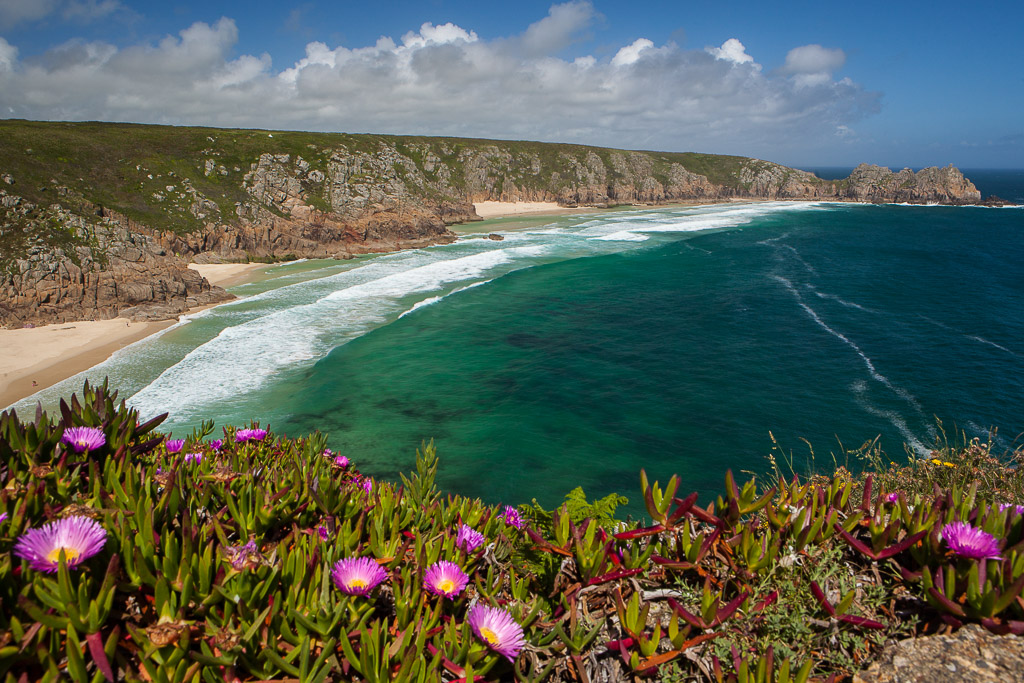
(99, 220)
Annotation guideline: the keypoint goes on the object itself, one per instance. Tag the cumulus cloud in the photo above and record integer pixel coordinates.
(812, 65)
(733, 51)
(14, 12)
(446, 80)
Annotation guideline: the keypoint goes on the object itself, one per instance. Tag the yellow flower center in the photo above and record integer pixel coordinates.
(489, 635)
(70, 554)
(356, 583)
(446, 586)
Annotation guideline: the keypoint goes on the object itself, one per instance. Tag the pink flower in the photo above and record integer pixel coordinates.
(893, 497)
(497, 629)
(966, 541)
(446, 579)
(79, 538)
(243, 435)
(340, 461)
(84, 438)
(321, 531)
(3, 517)
(216, 444)
(1019, 509)
(175, 445)
(246, 556)
(367, 484)
(357, 575)
(512, 517)
(193, 458)
(468, 539)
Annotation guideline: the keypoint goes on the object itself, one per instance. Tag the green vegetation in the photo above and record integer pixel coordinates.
(227, 560)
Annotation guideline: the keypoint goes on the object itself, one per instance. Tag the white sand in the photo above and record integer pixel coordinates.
(34, 358)
(46, 355)
(500, 209)
(226, 274)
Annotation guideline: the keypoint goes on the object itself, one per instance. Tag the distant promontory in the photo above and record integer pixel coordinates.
(99, 220)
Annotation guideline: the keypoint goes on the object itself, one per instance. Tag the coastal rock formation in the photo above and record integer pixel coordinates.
(98, 220)
(970, 655)
(118, 273)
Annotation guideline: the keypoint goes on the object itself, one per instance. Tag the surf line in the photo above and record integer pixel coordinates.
(875, 374)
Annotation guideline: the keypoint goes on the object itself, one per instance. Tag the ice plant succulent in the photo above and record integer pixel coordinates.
(965, 540)
(79, 538)
(193, 458)
(445, 579)
(216, 444)
(497, 629)
(340, 461)
(84, 438)
(512, 517)
(175, 445)
(468, 539)
(357, 575)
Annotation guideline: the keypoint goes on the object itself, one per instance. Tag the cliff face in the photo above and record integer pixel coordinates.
(100, 220)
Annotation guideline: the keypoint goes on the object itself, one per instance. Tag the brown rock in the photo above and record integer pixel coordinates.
(971, 655)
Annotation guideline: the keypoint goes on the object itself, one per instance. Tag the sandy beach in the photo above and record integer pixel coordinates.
(39, 357)
(502, 209)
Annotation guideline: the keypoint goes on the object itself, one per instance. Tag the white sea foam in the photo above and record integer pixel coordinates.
(872, 370)
(242, 358)
(894, 418)
(990, 343)
(622, 236)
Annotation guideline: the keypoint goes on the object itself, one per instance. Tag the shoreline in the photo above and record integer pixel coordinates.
(36, 358)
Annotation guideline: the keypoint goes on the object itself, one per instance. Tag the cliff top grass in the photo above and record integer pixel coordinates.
(127, 554)
(127, 168)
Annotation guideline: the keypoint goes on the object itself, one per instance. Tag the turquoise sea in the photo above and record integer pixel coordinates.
(581, 348)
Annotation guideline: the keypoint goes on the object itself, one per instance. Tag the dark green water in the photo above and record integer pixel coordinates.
(680, 357)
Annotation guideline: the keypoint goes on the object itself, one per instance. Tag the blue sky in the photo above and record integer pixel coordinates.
(806, 84)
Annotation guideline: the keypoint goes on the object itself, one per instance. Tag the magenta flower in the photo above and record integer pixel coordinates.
(321, 531)
(511, 517)
(3, 517)
(966, 541)
(357, 575)
(78, 537)
(497, 629)
(893, 497)
(1019, 509)
(175, 445)
(445, 579)
(216, 444)
(468, 538)
(367, 484)
(84, 438)
(193, 458)
(340, 461)
(243, 435)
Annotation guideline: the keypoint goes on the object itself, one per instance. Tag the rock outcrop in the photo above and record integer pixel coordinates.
(970, 655)
(100, 238)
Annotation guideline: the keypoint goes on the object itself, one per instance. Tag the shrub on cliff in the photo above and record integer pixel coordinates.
(126, 555)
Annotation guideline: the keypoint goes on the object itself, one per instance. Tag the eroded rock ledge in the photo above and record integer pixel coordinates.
(110, 233)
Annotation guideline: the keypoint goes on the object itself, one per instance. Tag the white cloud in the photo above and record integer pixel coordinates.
(559, 29)
(813, 59)
(733, 51)
(631, 53)
(8, 55)
(446, 80)
(14, 12)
